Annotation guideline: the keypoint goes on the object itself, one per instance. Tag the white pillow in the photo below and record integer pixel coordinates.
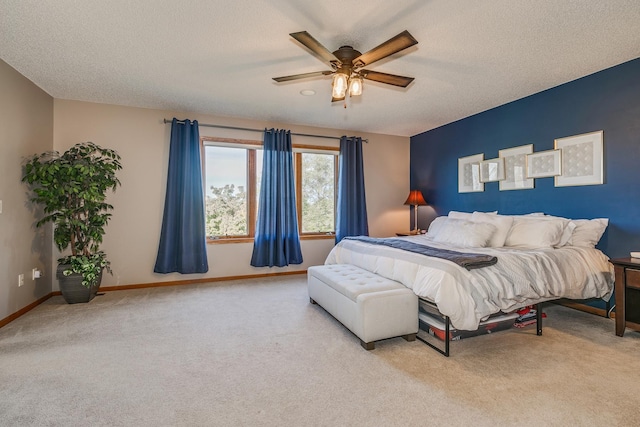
(501, 222)
(535, 232)
(459, 232)
(567, 231)
(460, 215)
(436, 224)
(466, 215)
(588, 232)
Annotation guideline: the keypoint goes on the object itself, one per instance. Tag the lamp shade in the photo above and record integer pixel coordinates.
(355, 86)
(415, 198)
(340, 85)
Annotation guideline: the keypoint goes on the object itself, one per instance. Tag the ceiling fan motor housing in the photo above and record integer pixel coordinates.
(346, 55)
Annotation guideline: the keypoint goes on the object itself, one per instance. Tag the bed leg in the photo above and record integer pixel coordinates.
(409, 337)
(447, 336)
(368, 345)
(539, 319)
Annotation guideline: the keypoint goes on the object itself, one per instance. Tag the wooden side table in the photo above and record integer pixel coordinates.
(627, 271)
(407, 233)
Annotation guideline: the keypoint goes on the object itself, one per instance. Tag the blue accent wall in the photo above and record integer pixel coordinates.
(608, 100)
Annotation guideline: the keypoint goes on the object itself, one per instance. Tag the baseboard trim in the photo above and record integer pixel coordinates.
(24, 310)
(196, 281)
(36, 303)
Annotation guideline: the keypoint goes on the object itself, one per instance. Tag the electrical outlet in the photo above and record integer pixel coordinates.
(35, 274)
(20, 280)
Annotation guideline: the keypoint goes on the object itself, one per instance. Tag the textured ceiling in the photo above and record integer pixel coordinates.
(218, 57)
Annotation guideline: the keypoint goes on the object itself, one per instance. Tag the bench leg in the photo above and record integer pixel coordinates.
(368, 345)
(409, 337)
(312, 301)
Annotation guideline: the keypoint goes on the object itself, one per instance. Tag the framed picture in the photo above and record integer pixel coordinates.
(515, 168)
(469, 174)
(581, 159)
(544, 164)
(492, 170)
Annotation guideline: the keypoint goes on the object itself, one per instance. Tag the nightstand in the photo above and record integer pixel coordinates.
(627, 271)
(408, 233)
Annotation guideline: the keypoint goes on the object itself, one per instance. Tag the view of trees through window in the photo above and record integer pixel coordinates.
(226, 191)
(228, 183)
(318, 192)
(226, 209)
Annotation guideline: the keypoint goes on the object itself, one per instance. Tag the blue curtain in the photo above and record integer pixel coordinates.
(276, 242)
(352, 204)
(182, 240)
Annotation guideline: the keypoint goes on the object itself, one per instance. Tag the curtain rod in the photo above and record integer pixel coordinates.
(260, 130)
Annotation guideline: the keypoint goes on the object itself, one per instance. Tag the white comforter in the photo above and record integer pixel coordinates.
(521, 276)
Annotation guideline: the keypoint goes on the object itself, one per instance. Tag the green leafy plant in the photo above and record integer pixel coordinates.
(72, 188)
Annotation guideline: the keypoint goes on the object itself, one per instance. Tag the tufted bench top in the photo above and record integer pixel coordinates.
(352, 281)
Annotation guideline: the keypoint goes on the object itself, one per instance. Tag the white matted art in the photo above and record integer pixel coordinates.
(469, 174)
(492, 170)
(544, 164)
(581, 159)
(515, 168)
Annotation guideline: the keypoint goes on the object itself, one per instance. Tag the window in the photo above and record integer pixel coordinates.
(232, 173)
(316, 173)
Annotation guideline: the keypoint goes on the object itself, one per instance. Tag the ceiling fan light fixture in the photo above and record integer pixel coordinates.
(355, 85)
(346, 63)
(340, 84)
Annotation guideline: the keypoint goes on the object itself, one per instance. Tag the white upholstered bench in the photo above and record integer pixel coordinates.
(372, 307)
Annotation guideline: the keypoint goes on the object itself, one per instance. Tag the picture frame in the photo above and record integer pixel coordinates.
(544, 164)
(582, 159)
(515, 168)
(492, 170)
(469, 174)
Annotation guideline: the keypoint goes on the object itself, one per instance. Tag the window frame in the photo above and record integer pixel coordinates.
(252, 209)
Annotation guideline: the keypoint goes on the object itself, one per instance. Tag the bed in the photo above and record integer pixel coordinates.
(539, 258)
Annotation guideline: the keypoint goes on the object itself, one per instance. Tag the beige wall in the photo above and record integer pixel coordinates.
(26, 128)
(142, 140)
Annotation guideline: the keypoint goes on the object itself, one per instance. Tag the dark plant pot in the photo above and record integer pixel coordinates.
(72, 288)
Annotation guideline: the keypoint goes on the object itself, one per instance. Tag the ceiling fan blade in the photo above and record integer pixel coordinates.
(314, 45)
(302, 76)
(391, 46)
(390, 79)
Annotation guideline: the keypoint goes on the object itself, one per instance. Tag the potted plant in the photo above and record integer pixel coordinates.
(72, 189)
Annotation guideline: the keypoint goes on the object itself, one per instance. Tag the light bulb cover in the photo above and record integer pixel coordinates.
(355, 85)
(340, 84)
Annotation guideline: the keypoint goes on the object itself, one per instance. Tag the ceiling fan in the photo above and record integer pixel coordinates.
(347, 63)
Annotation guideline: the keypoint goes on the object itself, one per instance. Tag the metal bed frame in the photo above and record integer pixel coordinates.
(447, 327)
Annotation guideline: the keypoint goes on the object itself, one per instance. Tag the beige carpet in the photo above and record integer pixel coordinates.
(256, 353)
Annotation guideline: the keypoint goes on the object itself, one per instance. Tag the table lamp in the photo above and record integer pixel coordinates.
(416, 199)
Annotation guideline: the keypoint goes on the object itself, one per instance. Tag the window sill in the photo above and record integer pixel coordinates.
(224, 240)
(317, 236)
(230, 240)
